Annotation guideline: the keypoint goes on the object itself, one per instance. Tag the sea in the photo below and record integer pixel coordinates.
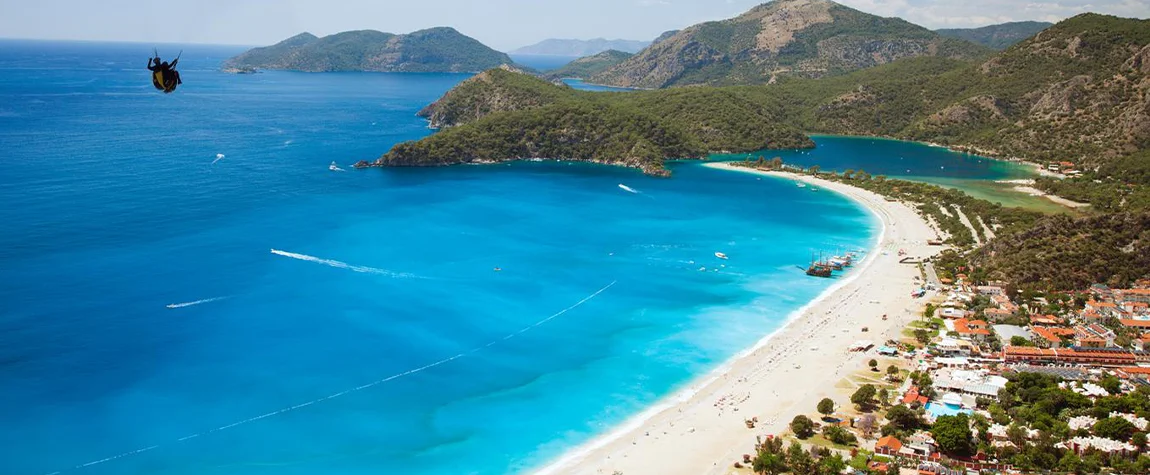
(200, 283)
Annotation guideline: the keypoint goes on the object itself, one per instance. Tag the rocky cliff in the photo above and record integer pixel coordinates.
(808, 38)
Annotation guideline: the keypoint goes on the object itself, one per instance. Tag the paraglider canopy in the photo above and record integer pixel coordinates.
(164, 76)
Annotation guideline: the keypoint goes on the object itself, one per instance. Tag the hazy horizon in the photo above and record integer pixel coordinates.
(258, 22)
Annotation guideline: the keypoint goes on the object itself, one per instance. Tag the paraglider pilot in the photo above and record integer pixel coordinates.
(164, 75)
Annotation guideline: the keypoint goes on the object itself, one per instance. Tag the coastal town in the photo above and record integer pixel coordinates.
(989, 379)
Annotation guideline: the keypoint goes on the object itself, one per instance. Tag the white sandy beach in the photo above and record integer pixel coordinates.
(1032, 191)
(693, 433)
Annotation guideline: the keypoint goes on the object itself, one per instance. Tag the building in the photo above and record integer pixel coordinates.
(1093, 335)
(974, 383)
(1143, 342)
(990, 290)
(997, 314)
(1138, 324)
(912, 396)
(1071, 355)
(1045, 320)
(1105, 309)
(1045, 338)
(975, 330)
(1007, 332)
(1134, 295)
(888, 445)
(1108, 446)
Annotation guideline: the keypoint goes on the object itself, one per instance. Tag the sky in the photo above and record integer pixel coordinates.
(501, 24)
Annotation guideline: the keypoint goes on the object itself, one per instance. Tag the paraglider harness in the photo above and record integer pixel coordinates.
(164, 76)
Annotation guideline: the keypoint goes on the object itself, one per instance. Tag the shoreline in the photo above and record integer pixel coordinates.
(683, 433)
(1032, 191)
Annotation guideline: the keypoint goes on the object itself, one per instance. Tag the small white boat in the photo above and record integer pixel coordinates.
(801, 185)
(335, 168)
(720, 255)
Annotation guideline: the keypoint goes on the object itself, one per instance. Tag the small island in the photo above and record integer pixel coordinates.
(434, 50)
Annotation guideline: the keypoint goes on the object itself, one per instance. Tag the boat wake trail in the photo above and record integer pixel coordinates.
(351, 390)
(628, 189)
(197, 302)
(343, 265)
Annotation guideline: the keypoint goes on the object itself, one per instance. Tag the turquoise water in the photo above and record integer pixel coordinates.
(942, 409)
(148, 327)
(970, 173)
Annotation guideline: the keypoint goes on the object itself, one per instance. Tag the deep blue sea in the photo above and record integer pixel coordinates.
(187, 288)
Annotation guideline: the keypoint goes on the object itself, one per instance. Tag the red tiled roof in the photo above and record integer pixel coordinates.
(1062, 331)
(888, 442)
(1135, 323)
(962, 326)
(1046, 334)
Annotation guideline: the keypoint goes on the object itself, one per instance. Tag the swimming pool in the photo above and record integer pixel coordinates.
(936, 409)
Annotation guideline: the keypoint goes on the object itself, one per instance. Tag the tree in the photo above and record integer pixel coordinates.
(1111, 384)
(866, 424)
(799, 460)
(1115, 428)
(922, 336)
(1139, 440)
(873, 363)
(903, 418)
(928, 312)
(1018, 340)
(826, 406)
(883, 396)
(767, 463)
(832, 465)
(839, 435)
(1017, 435)
(802, 426)
(892, 372)
(952, 433)
(1070, 463)
(864, 396)
(814, 169)
(847, 174)
(777, 163)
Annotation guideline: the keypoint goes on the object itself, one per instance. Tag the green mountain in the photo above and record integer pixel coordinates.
(431, 50)
(588, 66)
(999, 36)
(806, 38)
(1079, 91)
(503, 114)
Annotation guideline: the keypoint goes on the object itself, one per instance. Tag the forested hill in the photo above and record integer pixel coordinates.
(999, 36)
(503, 114)
(432, 50)
(588, 66)
(805, 38)
(1079, 91)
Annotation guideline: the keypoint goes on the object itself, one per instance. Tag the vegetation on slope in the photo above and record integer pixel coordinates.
(1064, 253)
(431, 50)
(806, 38)
(588, 66)
(1000, 36)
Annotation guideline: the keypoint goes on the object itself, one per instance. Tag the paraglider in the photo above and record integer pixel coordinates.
(164, 76)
